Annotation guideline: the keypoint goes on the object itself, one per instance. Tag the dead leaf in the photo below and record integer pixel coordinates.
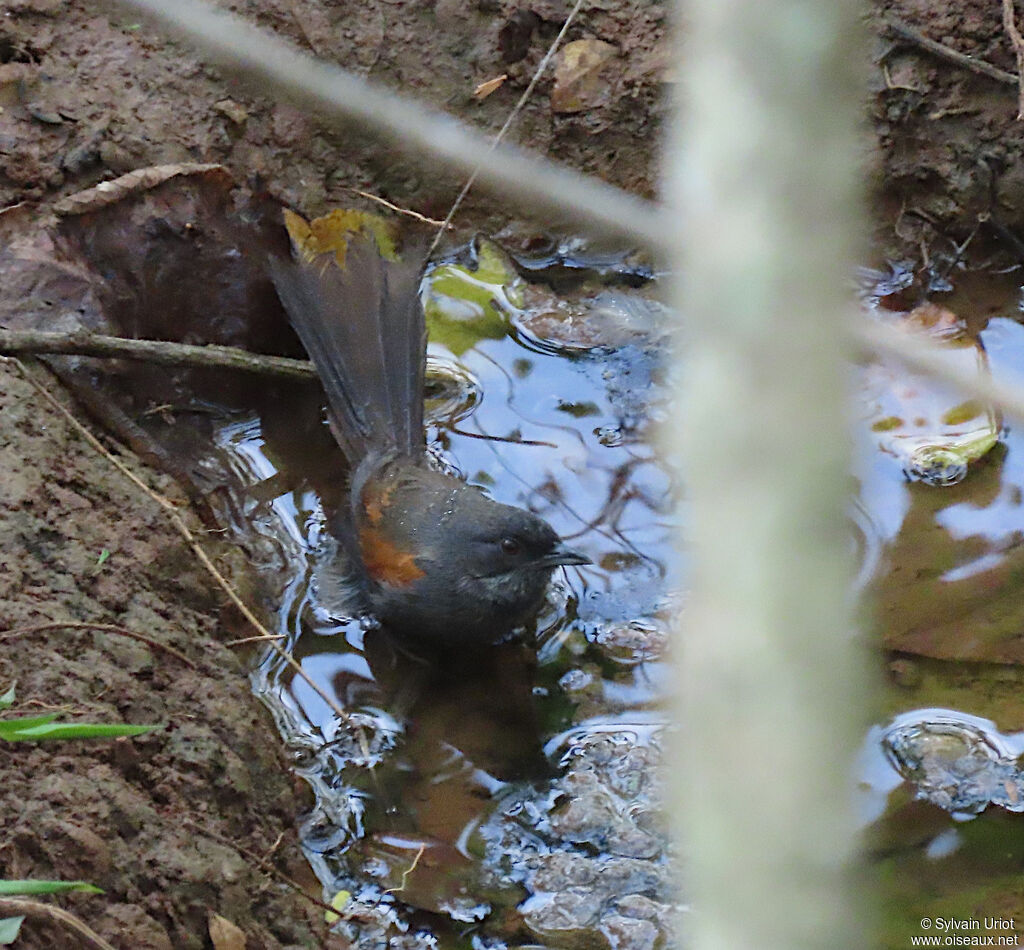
(224, 934)
(333, 231)
(178, 253)
(486, 88)
(658, 63)
(232, 111)
(584, 77)
(110, 192)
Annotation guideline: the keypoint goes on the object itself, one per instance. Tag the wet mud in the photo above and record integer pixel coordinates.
(186, 821)
(171, 825)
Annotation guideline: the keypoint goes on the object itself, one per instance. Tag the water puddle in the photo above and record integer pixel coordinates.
(941, 547)
(511, 796)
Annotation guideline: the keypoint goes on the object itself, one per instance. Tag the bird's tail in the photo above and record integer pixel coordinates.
(363, 327)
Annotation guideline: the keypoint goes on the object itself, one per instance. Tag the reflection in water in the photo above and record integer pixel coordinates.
(947, 560)
(932, 430)
(489, 770)
(943, 567)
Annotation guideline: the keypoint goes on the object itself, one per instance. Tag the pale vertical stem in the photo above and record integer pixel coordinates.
(764, 172)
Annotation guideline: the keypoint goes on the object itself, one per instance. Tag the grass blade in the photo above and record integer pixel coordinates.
(21, 888)
(20, 722)
(10, 728)
(70, 730)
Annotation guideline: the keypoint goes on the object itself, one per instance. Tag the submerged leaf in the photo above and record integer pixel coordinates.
(965, 412)
(466, 304)
(338, 902)
(933, 433)
(422, 871)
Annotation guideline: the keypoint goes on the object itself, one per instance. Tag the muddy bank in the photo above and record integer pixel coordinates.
(89, 96)
(949, 150)
(167, 824)
(170, 824)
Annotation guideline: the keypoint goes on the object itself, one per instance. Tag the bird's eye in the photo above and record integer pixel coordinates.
(510, 545)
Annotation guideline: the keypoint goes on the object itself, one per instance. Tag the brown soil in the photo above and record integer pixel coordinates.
(950, 149)
(101, 95)
(161, 822)
(167, 823)
(86, 97)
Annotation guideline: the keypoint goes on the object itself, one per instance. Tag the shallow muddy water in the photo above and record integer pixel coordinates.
(939, 780)
(510, 796)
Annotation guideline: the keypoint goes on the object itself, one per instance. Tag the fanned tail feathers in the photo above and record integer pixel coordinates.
(364, 330)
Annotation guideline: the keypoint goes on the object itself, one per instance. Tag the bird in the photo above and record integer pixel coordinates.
(430, 556)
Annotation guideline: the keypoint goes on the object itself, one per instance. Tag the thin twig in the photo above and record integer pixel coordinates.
(1010, 25)
(907, 32)
(257, 639)
(348, 100)
(188, 536)
(400, 209)
(165, 353)
(948, 266)
(161, 352)
(101, 627)
(49, 707)
(407, 872)
(516, 109)
(889, 84)
(933, 359)
(272, 849)
(500, 438)
(16, 907)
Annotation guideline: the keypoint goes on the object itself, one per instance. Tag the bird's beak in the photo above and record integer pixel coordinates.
(561, 555)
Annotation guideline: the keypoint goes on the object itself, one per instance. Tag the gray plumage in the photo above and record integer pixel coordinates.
(364, 329)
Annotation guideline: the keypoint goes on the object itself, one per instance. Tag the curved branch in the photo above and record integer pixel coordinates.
(11, 907)
(161, 352)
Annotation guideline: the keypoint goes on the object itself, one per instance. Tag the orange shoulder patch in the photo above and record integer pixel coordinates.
(385, 563)
(374, 502)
